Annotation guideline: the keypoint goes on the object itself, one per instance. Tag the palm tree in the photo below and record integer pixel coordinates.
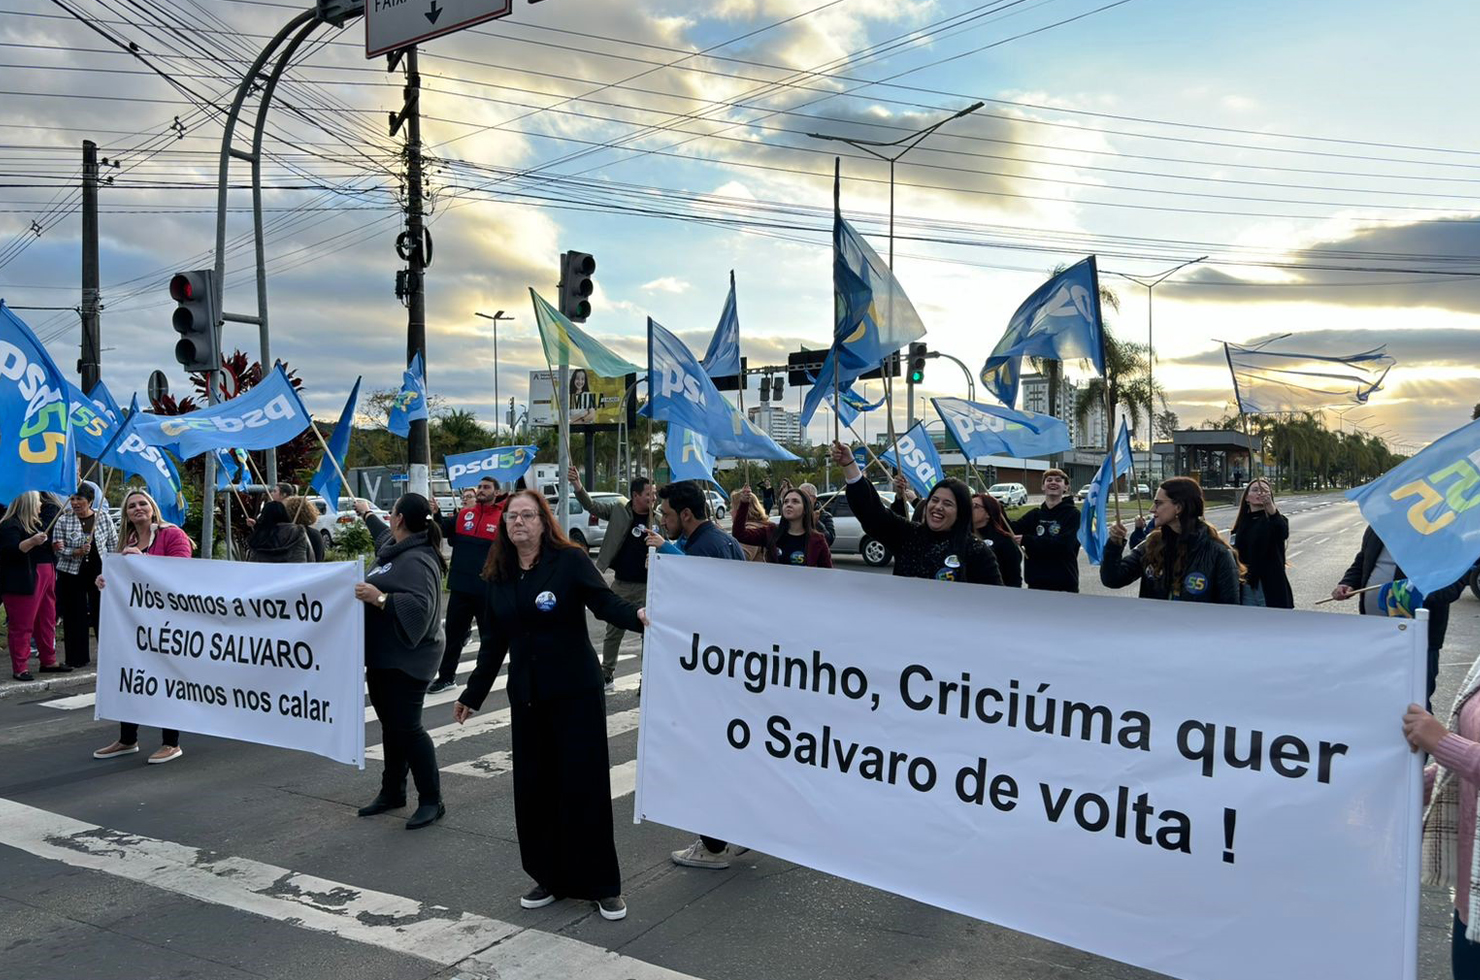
(1124, 385)
(458, 431)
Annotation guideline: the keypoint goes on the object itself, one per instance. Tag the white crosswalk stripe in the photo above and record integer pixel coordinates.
(498, 763)
(472, 943)
(482, 724)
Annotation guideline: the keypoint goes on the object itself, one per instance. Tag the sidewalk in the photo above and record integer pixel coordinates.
(82, 677)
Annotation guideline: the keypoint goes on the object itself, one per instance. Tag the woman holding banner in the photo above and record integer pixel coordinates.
(1451, 830)
(144, 531)
(989, 518)
(402, 593)
(942, 546)
(1184, 559)
(539, 588)
(28, 586)
(1259, 535)
(794, 541)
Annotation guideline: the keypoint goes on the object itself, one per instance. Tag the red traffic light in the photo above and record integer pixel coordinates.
(182, 287)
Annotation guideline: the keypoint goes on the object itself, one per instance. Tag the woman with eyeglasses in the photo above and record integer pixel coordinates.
(539, 588)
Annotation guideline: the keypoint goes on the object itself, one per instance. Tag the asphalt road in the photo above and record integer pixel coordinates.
(246, 861)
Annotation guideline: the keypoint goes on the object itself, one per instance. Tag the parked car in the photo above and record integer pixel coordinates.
(719, 505)
(1143, 490)
(1083, 492)
(1009, 494)
(329, 525)
(850, 539)
(584, 529)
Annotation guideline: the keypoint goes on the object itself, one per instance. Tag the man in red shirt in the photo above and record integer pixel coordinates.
(470, 532)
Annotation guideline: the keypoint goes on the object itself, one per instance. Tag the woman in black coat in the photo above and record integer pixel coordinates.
(989, 518)
(941, 546)
(1259, 535)
(539, 588)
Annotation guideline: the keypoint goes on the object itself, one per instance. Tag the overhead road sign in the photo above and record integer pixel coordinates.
(394, 24)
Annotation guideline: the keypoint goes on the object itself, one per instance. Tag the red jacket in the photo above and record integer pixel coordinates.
(818, 554)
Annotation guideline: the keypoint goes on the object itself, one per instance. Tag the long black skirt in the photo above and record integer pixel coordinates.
(563, 797)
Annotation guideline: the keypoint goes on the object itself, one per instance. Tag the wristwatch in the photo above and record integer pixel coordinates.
(380, 602)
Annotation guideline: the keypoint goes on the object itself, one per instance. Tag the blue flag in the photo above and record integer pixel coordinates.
(989, 430)
(873, 317)
(688, 456)
(1094, 521)
(133, 455)
(1427, 511)
(1124, 460)
(92, 426)
(679, 392)
(1060, 320)
(326, 481)
(228, 469)
(38, 448)
(722, 360)
(411, 401)
(918, 460)
(506, 464)
(849, 404)
(1399, 599)
(263, 417)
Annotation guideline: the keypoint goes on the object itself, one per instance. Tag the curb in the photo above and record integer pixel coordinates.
(61, 682)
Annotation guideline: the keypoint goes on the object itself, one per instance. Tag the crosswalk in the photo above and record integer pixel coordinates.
(483, 730)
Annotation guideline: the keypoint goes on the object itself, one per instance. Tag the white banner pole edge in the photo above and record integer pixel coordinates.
(1419, 674)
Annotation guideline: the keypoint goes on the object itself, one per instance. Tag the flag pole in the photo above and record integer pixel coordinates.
(320, 437)
(1109, 428)
(872, 457)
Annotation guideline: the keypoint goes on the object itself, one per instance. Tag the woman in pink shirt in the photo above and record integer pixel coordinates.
(145, 532)
(1451, 830)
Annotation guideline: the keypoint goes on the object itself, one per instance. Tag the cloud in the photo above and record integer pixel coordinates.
(1431, 347)
(666, 284)
(1407, 265)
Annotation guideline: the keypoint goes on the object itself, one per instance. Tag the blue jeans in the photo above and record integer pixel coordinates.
(1466, 955)
(1253, 595)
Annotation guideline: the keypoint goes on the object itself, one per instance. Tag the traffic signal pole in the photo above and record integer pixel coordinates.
(418, 440)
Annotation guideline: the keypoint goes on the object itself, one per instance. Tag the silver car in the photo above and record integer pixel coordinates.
(584, 529)
(1010, 494)
(850, 539)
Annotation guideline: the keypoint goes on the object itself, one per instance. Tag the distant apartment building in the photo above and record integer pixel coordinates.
(779, 424)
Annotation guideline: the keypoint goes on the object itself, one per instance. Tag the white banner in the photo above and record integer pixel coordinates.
(1213, 792)
(273, 654)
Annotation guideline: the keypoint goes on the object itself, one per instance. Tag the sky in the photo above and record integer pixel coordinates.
(1324, 157)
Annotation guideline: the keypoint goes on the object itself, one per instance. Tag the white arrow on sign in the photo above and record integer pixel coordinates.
(394, 24)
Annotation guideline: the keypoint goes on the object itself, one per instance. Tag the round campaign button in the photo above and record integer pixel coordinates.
(952, 561)
(545, 601)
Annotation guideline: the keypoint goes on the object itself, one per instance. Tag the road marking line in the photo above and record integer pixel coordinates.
(482, 724)
(472, 943)
(497, 763)
(450, 695)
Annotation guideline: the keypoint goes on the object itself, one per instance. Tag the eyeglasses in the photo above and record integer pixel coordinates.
(520, 518)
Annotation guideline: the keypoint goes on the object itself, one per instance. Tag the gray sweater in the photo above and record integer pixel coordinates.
(406, 634)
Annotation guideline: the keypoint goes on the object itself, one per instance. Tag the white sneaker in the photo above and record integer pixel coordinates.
(696, 855)
(611, 685)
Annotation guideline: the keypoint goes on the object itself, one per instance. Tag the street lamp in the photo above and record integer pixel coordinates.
(872, 147)
(1151, 282)
(495, 318)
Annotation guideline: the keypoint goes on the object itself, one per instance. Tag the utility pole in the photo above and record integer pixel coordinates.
(415, 247)
(88, 363)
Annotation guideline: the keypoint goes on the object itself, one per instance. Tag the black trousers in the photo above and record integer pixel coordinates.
(1465, 955)
(128, 734)
(563, 796)
(397, 699)
(462, 609)
(77, 604)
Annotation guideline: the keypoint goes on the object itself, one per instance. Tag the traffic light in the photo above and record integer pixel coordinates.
(195, 320)
(576, 287)
(917, 363)
(777, 384)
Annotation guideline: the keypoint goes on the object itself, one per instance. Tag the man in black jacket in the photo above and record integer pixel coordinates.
(1374, 566)
(1050, 538)
(470, 532)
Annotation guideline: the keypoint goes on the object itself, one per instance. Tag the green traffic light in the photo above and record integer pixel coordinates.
(916, 377)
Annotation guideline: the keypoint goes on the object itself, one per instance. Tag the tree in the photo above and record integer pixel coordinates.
(1475, 412)
(1166, 423)
(1124, 385)
(458, 431)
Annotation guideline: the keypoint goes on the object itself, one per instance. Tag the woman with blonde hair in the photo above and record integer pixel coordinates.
(752, 520)
(301, 511)
(28, 587)
(144, 531)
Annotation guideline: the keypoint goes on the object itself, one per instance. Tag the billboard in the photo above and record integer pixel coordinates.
(593, 397)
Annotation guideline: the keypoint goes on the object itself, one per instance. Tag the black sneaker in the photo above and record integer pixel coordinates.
(538, 897)
(438, 686)
(57, 669)
(24, 675)
(612, 909)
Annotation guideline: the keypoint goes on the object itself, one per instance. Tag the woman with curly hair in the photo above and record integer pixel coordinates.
(1184, 559)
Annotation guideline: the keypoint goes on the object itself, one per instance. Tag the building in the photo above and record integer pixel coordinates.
(779, 424)
(1091, 435)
